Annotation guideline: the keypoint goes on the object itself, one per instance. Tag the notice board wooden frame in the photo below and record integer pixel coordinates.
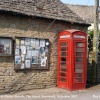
(33, 66)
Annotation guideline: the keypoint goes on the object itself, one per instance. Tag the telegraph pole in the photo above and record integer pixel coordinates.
(95, 45)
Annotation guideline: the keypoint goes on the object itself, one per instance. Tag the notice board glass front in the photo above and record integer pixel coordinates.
(5, 46)
(31, 53)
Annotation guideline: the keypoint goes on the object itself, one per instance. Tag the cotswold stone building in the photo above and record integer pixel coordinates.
(85, 12)
(35, 19)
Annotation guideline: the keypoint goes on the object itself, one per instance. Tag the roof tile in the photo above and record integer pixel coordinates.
(53, 9)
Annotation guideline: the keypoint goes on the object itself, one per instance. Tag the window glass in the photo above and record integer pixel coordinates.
(79, 54)
(63, 79)
(78, 75)
(63, 53)
(79, 59)
(63, 74)
(63, 69)
(80, 44)
(79, 49)
(63, 63)
(63, 44)
(63, 48)
(63, 58)
(78, 64)
(5, 46)
(78, 70)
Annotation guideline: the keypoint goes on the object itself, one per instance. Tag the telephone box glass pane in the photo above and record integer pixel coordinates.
(63, 44)
(78, 79)
(63, 48)
(63, 63)
(78, 75)
(63, 59)
(79, 59)
(79, 49)
(63, 69)
(63, 74)
(79, 54)
(63, 79)
(78, 70)
(78, 64)
(63, 53)
(80, 44)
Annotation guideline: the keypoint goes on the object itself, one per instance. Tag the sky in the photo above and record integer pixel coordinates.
(79, 2)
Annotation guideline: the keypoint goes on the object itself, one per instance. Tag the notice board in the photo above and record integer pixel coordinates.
(31, 53)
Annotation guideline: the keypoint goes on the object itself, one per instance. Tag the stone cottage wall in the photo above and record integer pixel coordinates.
(16, 25)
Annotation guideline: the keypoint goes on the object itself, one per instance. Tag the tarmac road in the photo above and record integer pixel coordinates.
(55, 94)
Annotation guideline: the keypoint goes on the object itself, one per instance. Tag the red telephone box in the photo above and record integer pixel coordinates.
(72, 53)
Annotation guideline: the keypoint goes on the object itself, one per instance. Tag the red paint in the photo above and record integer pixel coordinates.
(72, 53)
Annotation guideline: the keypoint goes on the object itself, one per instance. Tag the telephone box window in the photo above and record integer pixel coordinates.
(63, 74)
(63, 59)
(63, 79)
(80, 44)
(78, 70)
(78, 75)
(79, 54)
(63, 44)
(63, 69)
(78, 64)
(80, 49)
(79, 59)
(63, 53)
(63, 48)
(63, 63)
(5, 46)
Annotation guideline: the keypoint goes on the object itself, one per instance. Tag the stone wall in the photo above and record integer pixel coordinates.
(16, 25)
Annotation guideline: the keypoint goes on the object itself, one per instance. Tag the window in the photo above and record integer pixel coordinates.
(31, 53)
(5, 46)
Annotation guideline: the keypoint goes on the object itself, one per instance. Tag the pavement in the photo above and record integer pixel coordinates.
(55, 93)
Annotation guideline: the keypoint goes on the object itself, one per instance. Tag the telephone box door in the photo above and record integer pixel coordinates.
(79, 79)
(63, 63)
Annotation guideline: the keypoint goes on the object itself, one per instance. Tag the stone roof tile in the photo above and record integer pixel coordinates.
(53, 9)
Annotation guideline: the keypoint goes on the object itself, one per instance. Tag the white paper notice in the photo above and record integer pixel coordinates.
(23, 50)
(33, 42)
(22, 66)
(16, 51)
(37, 44)
(17, 60)
(27, 63)
(42, 43)
(23, 57)
(35, 53)
(27, 41)
(43, 61)
(22, 41)
(29, 54)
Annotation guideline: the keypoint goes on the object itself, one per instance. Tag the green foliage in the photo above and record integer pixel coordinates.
(90, 40)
